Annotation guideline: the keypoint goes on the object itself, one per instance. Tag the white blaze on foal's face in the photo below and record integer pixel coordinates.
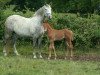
(47, 11)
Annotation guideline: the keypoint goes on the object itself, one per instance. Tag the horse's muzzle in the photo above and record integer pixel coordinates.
(50, 16)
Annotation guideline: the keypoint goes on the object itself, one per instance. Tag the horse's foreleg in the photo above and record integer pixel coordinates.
(14, 44)
(39, 46)
(34, 46)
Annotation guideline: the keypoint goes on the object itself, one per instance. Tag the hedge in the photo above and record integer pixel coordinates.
(86, 30)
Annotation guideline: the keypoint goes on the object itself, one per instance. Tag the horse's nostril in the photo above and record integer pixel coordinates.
(50, 17)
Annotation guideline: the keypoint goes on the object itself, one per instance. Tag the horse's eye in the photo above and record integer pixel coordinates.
(45, 9)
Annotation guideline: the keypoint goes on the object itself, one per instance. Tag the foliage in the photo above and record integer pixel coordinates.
(82, 6)
(86, 30)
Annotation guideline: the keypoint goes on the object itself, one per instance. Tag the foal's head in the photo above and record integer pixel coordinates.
(47, 26)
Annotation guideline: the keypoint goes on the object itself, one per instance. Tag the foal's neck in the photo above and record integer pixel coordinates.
(49, 28)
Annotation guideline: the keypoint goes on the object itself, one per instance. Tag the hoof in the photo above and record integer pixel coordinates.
(5, 54)
(55, 58)
(18, 54)
(41, 57)
(48, 58)
(34, 57)
(70, 58)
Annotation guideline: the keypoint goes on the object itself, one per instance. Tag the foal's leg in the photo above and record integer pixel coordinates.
(71, 49)
(70, 46)
(39, 45)
(14, 44)
(54, 51)
(67, 51)
(51, 47)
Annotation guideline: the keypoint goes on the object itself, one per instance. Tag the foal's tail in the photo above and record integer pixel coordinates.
(70, 33)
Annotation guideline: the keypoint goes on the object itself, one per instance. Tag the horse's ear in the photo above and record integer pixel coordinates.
(45, 3)
(50, 3)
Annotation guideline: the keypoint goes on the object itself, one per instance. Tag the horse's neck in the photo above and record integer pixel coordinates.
(39, 16)
(37, 19)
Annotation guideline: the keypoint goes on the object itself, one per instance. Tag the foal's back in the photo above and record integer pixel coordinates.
(58, 34)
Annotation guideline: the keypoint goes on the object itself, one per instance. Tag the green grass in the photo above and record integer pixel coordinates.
(21, 65)
(25, 66)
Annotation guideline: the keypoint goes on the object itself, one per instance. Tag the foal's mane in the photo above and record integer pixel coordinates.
(48, 25)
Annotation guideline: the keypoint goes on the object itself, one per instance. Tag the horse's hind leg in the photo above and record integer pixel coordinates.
(14, 44)
(7, 41)
(4, 49)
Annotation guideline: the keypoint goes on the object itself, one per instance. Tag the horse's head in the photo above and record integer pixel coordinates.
(47, 11)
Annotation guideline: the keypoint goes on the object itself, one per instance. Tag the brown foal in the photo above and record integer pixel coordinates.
(54, 35)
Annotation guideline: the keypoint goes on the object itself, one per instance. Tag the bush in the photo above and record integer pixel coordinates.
(86, 30)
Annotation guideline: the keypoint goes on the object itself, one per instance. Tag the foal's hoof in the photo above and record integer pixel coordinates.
(55, 58)
(48, 58)
(70, 58)
(65, 58)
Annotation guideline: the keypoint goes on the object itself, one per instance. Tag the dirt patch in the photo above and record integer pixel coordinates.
(84, 57)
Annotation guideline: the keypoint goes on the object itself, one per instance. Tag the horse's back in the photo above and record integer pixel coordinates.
(15, 20)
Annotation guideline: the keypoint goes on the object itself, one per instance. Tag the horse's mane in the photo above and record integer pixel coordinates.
(39, 10)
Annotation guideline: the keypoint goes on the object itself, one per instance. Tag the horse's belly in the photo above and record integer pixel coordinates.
(37, 31)
(22, 33)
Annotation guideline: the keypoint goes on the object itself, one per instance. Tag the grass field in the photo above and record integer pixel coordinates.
(26, 65)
